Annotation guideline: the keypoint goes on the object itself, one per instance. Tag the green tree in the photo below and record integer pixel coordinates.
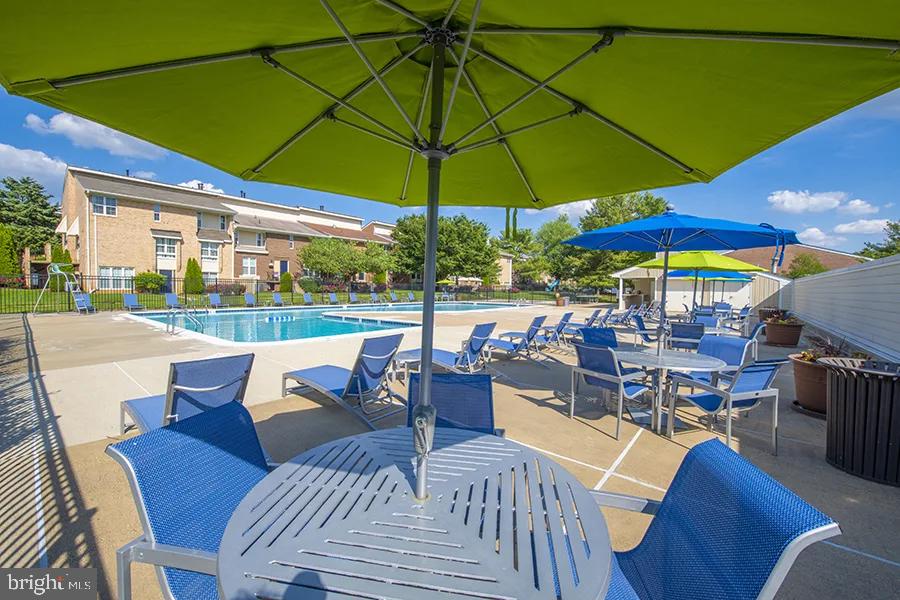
(560, 260)
(890, 245)
(378, 260)
(286, 283)
(464, 247)
(9, 256)
(332, 257)
(595, 266)
(61, 256)
(193, 277)
(26, 207)
(528, 264)
(805, 264)
(149, 282)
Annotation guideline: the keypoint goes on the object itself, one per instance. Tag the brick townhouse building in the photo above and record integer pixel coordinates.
(116, 226)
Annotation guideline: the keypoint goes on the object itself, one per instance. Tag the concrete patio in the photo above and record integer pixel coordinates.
(65, 503)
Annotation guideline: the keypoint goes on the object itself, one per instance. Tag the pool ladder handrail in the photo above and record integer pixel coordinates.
(189, 315)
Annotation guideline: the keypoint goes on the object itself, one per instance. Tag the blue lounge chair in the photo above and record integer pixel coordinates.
(462, 401)
(131, 302)
(83, 303)
(704, 310)
(374, 297)
(598, 366)
(172, 301)
(332, 298)
(362, 390)
(394, 297)
(410, 297)
(277, 300)
(574, 327)
(353, 298)
(622, 318)
(193, 387)
(187, 479)
(215, 300)
(685, 336)
(307, 299)
(600, 336)
(249, 300)
(708, 321)
(724, 529)
(754, 338)
(553, 334)
(750, 386)
(520, 343)
(722, 310)
(468, 360)
(640, 329)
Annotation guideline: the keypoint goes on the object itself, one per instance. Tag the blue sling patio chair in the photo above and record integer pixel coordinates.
(750, 385)
(130, 301)
(599, 367)
(215, 300)
(685, 336)
(600, 336)
(187, 479)
(374, 297)
(410, 297)
(553, 334)
(518, 343)
(708, 321)
(758, 329)
(470, 358)
(463, 401)
(724, 529)
(393, 296)
(172, 301)
(332, 298)
(307, 299)
(353, 299)
(645, 333)
(362, 390)
(574, 327)
(722, 310)
(733, 351)
(193, 387)
(277, 300)
(83, 303)
(249, 300)
(622, 318)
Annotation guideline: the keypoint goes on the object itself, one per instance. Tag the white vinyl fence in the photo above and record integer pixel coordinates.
(860, 304)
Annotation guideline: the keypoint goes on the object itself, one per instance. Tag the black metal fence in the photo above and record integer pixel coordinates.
(18, 295)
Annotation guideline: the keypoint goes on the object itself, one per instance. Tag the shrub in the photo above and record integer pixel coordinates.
(193, 277)
(308, 284)
(227, 289)
(380, 278)
(9, 256)
(149, 282)
(286, 283)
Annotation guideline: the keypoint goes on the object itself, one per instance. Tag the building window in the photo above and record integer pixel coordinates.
(104, 205)
(156, 212)
(165, 248)
(209, 250)
(260, 240)
(199, 220)
(223, 223)
(248, 265)
(360, 276)
(116, 278)
(291, 241)
(210, 278)
(309, 273)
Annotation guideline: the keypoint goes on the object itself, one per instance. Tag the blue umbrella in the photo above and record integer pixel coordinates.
(672, 231)
(714, 275)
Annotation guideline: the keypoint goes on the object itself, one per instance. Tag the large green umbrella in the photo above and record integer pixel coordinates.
(557, 101)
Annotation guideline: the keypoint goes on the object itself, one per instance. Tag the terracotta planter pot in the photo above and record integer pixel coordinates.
(778, 334)
(810, 384)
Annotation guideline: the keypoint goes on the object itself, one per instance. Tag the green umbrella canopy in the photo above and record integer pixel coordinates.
(705, 261)
(640, 95)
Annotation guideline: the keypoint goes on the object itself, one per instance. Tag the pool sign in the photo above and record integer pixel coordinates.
(48, 584)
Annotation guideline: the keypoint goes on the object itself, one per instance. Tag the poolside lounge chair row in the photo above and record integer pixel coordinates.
(131, 303)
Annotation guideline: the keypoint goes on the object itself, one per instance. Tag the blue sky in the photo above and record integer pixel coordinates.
(835, 183)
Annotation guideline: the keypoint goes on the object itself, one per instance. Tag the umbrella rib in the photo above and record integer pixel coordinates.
(537, 86)
(450, 13)
(587, 110)
(380, 136)
(412, 155)
(405, 12)
(461, 64)
(330, 110)
(500, 137)
(218, 58)
(372, 70)
(487, 113)
(336, 99)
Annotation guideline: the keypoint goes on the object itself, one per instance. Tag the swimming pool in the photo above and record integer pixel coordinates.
(284, 324)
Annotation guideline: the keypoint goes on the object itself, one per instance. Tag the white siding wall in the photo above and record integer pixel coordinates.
(859, 303)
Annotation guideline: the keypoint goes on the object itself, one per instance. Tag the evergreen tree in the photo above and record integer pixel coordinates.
(9, 255)
(193, 277)
(26, 207)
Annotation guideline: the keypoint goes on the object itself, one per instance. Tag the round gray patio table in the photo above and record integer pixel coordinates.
(341, 521)
(660, 363)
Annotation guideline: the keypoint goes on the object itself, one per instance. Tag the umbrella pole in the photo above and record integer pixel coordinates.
(661, 333)
(694, 296)
(424, 414)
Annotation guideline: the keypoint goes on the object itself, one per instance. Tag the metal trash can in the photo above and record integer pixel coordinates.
(863, 423)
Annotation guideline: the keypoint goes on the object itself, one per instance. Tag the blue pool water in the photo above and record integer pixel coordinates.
(280, 324)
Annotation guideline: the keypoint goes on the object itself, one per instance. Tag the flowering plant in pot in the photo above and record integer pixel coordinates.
(810, 377)
(783, 329)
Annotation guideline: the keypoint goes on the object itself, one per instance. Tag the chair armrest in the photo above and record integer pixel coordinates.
(680, 380)
(625, 502)
(603, 376)
(164, 555)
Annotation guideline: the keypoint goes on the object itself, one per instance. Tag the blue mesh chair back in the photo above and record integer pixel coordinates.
(719, 532)
(276, 298)
(372, 363)
(373, 296)
(563, 323)
(462, 401)
(744, 312)
(188, 479)
(534, 328)
(130, 300)
(757, 376)
(394, 297)
(249, 299)
(757, 329)
(731, 349)
(353, 298)
(589, 322)
(410, 297)
(172, 299)
(639, 322)
(707, 321)
(600, 360)
(307, 298)
(200, 385)
(687, 331)
(332, 297)
(722, 307)
(703, 310)
(215, 299)
(475, 344)
(600, 336)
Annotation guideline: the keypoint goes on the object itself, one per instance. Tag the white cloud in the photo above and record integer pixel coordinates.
(817, 237)
(87, 134)
(862, 226)
(571, 209)
(145, 174)
(21, 162)
(802, 201)
(202, 185)
(858, 207)
(889, 205)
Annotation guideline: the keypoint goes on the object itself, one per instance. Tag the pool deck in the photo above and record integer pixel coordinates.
(65, 503)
